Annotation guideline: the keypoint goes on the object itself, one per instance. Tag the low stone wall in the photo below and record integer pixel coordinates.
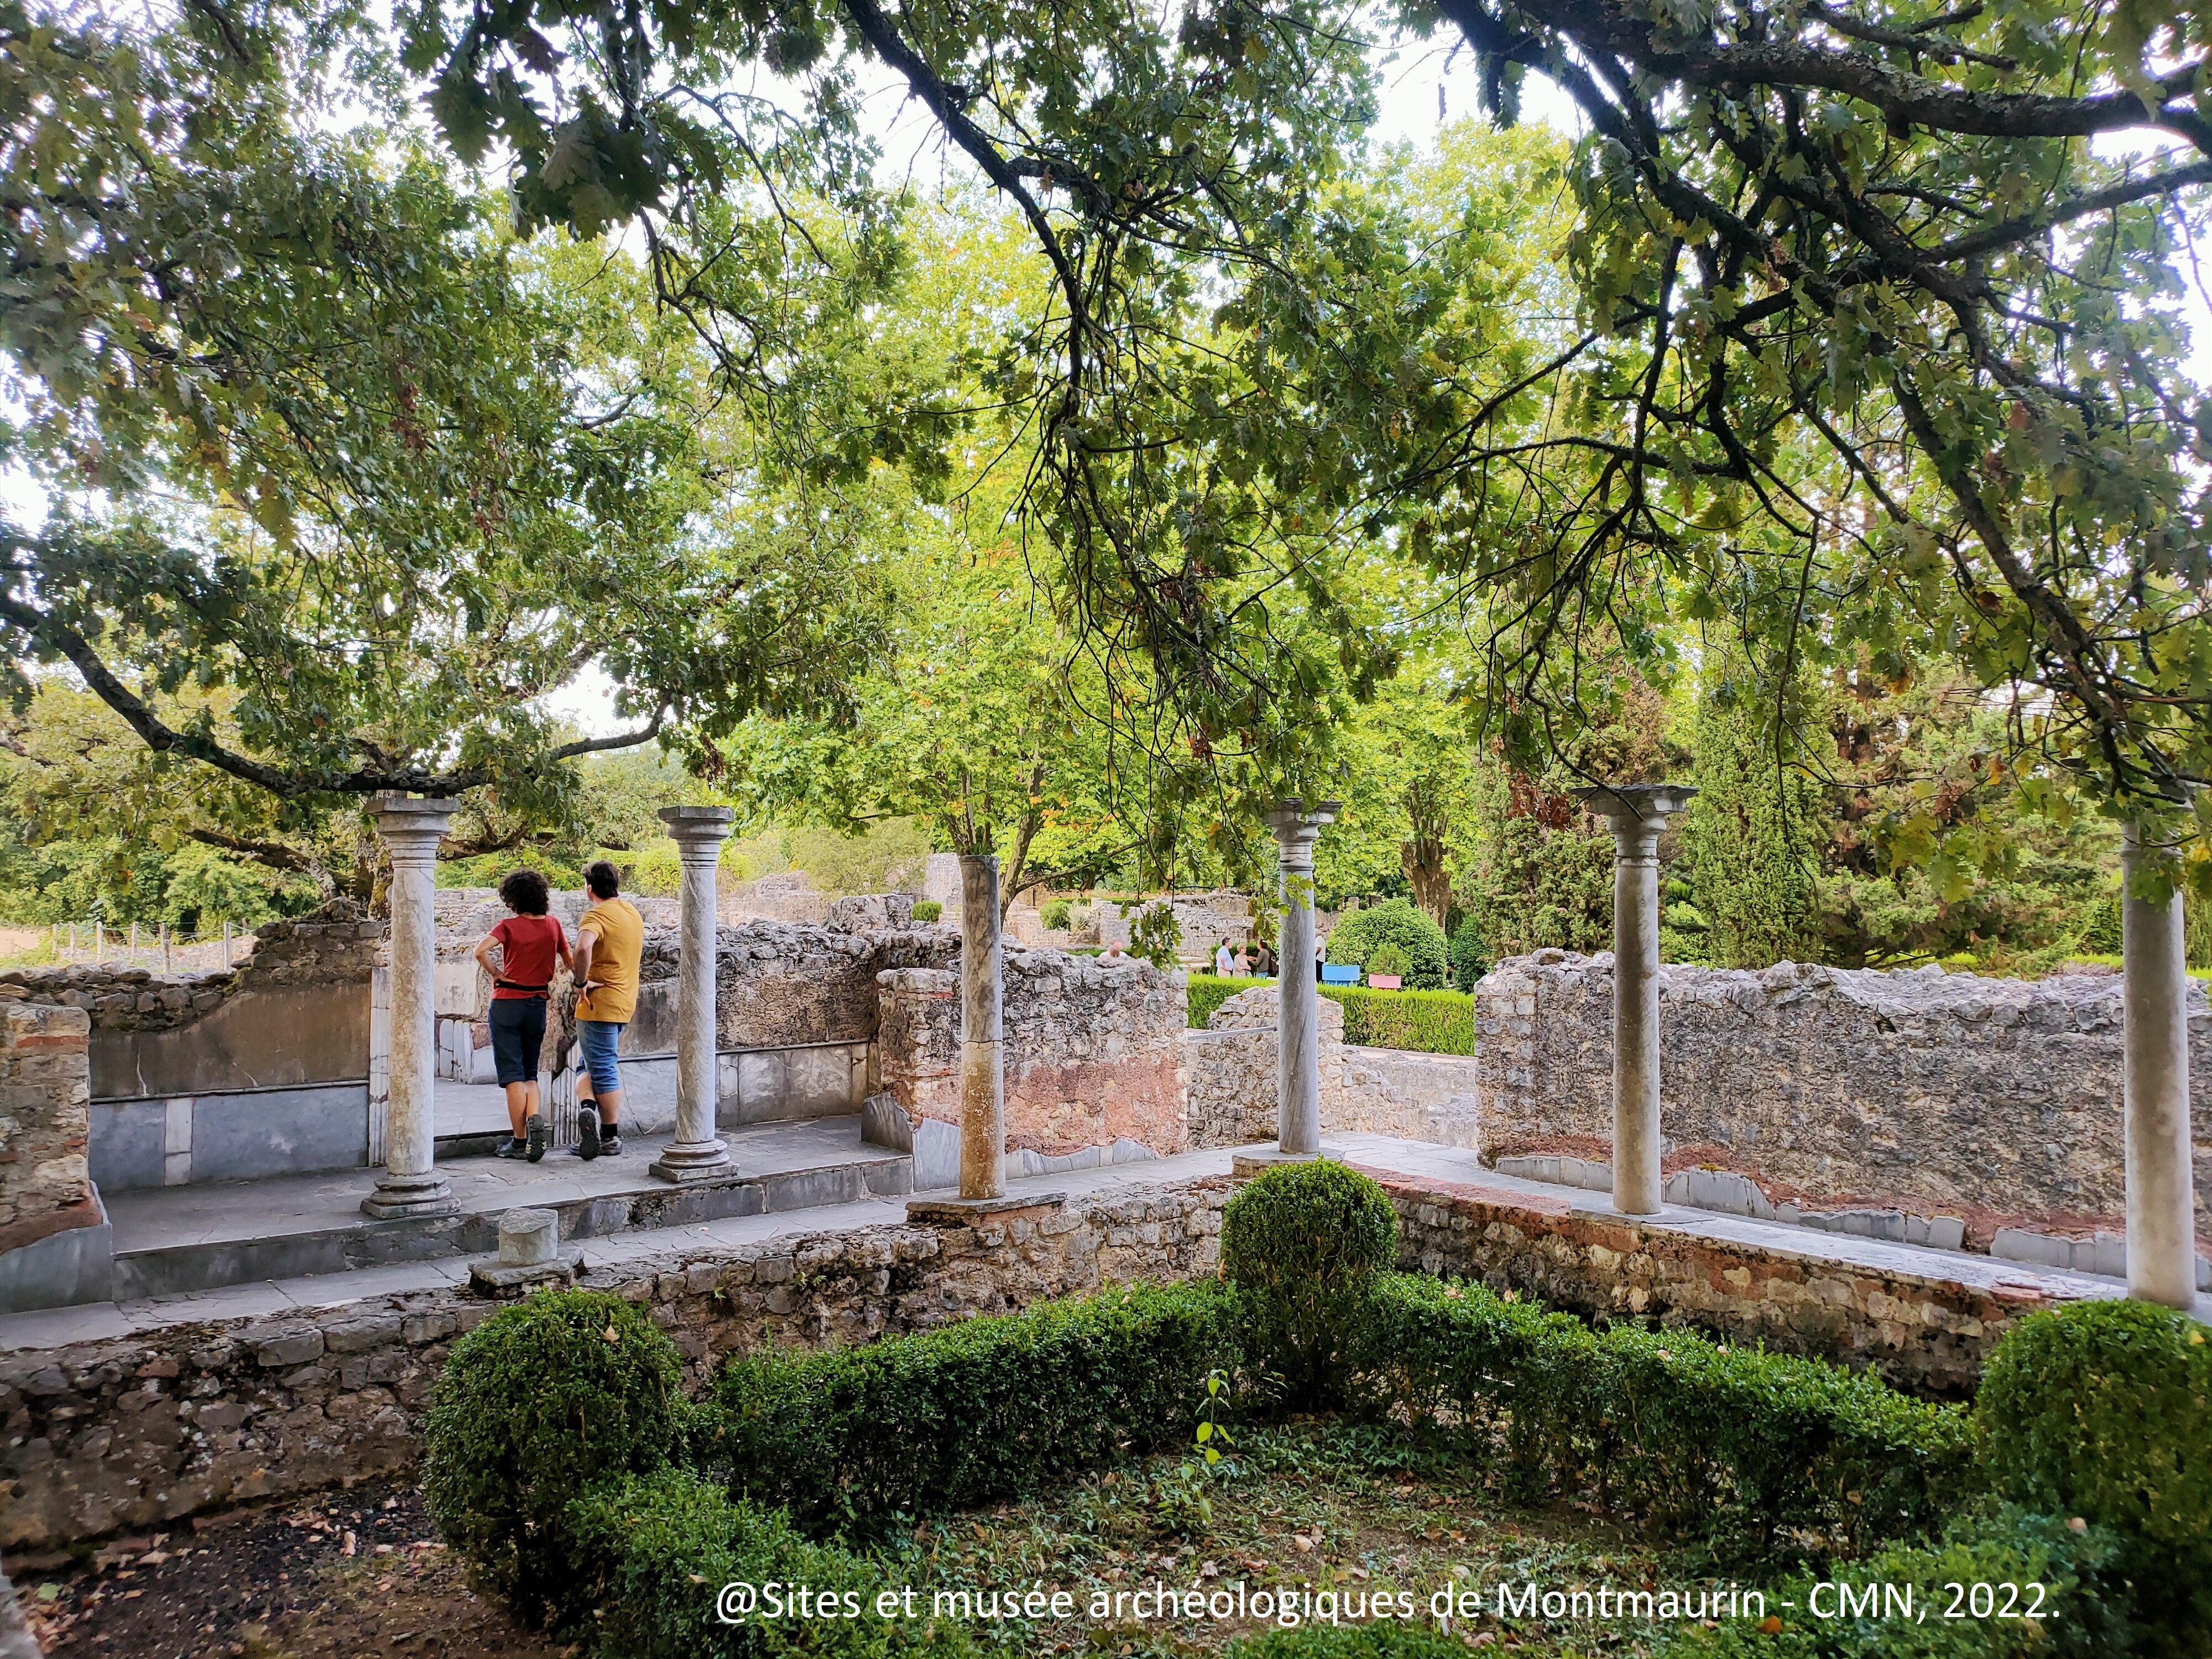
(1232, 1092)
(1999, 1100)
(100, 1436)
(1923, 1332)
(778, 985)
(1094, 1051)
(146, 1430)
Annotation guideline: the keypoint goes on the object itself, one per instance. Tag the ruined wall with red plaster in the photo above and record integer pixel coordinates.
(1094, 1050)
(46, 1093)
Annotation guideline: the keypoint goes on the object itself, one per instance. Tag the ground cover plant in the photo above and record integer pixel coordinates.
(1050, 1465)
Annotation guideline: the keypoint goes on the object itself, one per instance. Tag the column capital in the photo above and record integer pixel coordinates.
(404, 819)
(1296, 825)
(697, 826)
(1635, 808)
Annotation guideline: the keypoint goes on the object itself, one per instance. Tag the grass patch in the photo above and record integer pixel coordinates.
(1316, 1505)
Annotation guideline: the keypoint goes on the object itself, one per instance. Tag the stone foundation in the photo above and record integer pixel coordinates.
(1921, 1330)
(143, 1432)
(1995, 1101)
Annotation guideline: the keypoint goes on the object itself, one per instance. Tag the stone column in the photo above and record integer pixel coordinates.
(409, 1184)
(1636, 813)
(2161, 1199)
(697, 1153)
(982, 1032)
(1298, 1021)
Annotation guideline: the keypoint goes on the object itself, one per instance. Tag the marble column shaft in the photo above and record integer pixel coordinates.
(982, 1032)
(1637, 814)
(697, 1152)
(1298, 1057)
(409, 1184)
(2161, 1189)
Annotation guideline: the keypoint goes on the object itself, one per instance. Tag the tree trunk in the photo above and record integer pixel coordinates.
(1424, 860)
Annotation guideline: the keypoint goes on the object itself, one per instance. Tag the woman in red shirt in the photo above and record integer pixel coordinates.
(529, 943)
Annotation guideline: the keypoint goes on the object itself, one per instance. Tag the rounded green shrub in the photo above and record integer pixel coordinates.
(1405, 926)
(1056, 912)
(2104, 1410)
(1388, 958)
(1303, 1244)
(536, 1405)
(927, 910)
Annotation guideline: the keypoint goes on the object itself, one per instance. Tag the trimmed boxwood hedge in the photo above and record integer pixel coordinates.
(1208, 992)
(549, 1435)
(653, 1552)
(2104, 1410)
(1733, 1443)
(975, 1412)
(2084, 1603)
(538, 1403)
(1424, 1022)
(1303, 1244)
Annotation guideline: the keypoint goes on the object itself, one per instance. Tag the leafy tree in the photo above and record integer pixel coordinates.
(1939, 847)
(365, 479)
(967, 725)
(1408, 811)
(1543, 869)
(1754, 832)
(1863, 278)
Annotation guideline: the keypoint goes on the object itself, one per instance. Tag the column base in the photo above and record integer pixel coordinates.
(687, 1162)
(1251, 1160)
(418, 1197)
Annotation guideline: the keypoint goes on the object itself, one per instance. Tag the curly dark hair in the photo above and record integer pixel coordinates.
(525, 892)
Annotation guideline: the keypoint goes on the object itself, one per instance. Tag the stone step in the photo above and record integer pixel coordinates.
(189, 1239)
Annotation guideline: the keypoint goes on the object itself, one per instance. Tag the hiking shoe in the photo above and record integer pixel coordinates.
(611, 1143)
(511, 1148)
(587, 1133)
(536, 1130)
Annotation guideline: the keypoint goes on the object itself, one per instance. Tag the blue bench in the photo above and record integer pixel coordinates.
(1340, 973)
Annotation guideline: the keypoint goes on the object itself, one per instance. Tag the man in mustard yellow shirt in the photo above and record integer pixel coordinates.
(609, 939)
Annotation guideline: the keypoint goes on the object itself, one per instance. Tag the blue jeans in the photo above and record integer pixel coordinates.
(595, 1042)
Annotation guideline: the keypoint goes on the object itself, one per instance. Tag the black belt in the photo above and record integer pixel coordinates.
(537, 991)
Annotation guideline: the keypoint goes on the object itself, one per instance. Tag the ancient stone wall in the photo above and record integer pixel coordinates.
(293, 1011)
(1997, 1101)
(1232, 1093)
(1094, 1050)
(45, 1185)
(1923, 1332)
(337, 945)
(142, 1432)
(1207, 919)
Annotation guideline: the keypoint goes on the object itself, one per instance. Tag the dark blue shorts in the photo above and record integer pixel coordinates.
(518, 1037)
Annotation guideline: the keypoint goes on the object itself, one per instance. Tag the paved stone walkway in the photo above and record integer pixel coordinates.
(236, 1210)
